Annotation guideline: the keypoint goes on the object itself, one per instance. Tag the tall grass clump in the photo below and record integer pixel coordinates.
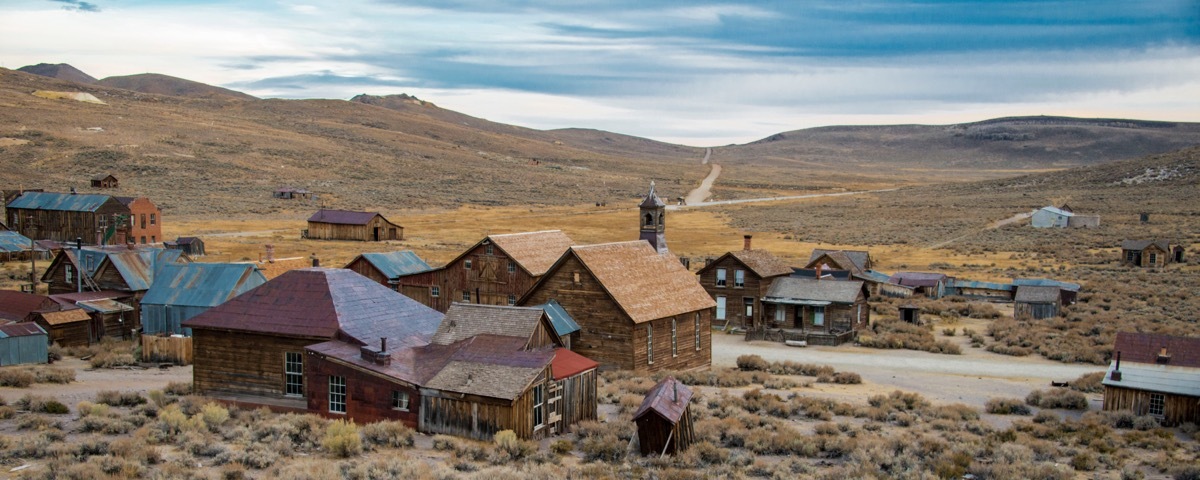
(342, 439)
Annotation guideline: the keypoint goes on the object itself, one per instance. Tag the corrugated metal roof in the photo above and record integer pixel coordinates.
(71, 299)
(959, 283)
(342, 217)
(563, 322)
(201, 284)
(875, 276)
(918, 279)
(785, 289)
(137, 267)
(568, 364)
(20, 330)
(105, 306)
(66, 316)
(669, 399)
(396, 264)
(15, 242)
(1058, 211)
(15, 306)
(59, 201)
(1045, 282)
(1156, 378)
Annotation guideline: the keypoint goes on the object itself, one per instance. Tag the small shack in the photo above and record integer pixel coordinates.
(17, 247)
(932, 284)
(911, 314)
(348, 225)
(1146, 253)
(1051, 217)
(1036, 302)
(193, 246)
(1156, 375)
(67, 328)
(23, 343)
(291, 193)
(664, 421)
(105, 180)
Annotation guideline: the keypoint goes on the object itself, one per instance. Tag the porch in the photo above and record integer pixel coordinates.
(810, 337)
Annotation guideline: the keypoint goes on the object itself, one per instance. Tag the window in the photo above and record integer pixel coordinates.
(650, 344)
(748, 306)
(1129, 256)
(780, 311)
(435, 291)
(512, 300)
(577, 279)
(739, 278)
(143, 239)
(466, 296)
(337, 394)
(399, 400)
(152, 220)
(89, 263)
(538, 399)
(674, 339)
(143, 218)
(489, 249)
(512, 266)
(697, 332)
(818, 316)
(67, 272)
(1153, 258)
(1157, 402)
(649, 220)
(720, 277)
(467, 264)
(720, 308)
(293, 374)
(153, 239)
(103, 221)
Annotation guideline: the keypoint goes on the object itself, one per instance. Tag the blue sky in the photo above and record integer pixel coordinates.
(697, 72)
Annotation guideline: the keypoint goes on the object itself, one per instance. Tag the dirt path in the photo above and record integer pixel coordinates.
(774, 199)
(260, 233)
(88, 382)
(707, 155)
(994, 225)
(701, 193)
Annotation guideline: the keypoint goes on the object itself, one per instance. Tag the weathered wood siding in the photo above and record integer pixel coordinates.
(481, 417)
(487, 282)
(244, 363)
(74, 334)
(56, 276)
(64, 226)
(578, 400)
(1177, 409)
(685, 355)
(657, 435)
(839, 317)
(1034, 311)
(378, 229)
(754, 288)
(419, 287)
(368, 394)
(362, 267)
(177, 350)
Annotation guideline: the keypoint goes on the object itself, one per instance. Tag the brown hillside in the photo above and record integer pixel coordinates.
(168, 85)
(60, 71)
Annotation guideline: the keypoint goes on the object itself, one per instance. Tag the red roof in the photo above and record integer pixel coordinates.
(1145, 347)
(567, 363)
(15, 306)
(669, 399)
(342, 217)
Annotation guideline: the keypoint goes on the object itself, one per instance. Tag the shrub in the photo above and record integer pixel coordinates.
(112, 360)
(949, 332)
(10, 377)
(605, 448)
(509, 447)
(1057, 398)
(1189, 472)
(847, 378)
(562, 446)
(213, 415)
(752, 363)
(389, 433)
(178, 389)
(1085, 461)
(120, 399)
(342, 439)
(54, 375)
(1089, 383)
(40, 404)
(1007, 406)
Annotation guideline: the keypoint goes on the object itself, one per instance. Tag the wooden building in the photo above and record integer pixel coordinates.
(347, 225)
(193, 246)
(388, 268)
(497, 270)
(63, 217)
(737, 281)
(637, 309)
(1067, 292)
(822, 312)
(17, 247)
(664, 420)
(291, 193)
(105, 180)
(16, 306)
(1036, 302)
(1156, 375)
(854, 261)
(182, 291)
(932, 285)
(145, 220)
(252, 348)
(1146, 253)
(67, 328)
(23, 343)
(992, 291)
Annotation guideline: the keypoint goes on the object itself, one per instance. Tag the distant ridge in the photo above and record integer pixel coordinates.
(159, 84)
(60, 71)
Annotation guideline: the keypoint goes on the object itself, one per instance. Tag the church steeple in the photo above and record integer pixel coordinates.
(653, 212)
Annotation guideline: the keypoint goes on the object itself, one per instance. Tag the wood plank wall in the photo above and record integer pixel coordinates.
(1177, 409)
(241, 362)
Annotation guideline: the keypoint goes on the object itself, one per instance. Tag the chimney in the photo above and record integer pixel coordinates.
(270, 253)
(1116, 373)
(316, 262)
(675, 391)
(1163, 356)
(382, 344)
(820, 269)
(746, 241)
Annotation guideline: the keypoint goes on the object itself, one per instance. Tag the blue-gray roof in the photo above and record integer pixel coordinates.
(395, 264)
(201, 284)
(562, 321)
(875, 276)
(1046, 282)
(137, 267)
(1058, 211)
(958, 283)
(59, 201)
(14, 242)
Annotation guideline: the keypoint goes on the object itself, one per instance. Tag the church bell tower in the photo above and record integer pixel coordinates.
(653, 212)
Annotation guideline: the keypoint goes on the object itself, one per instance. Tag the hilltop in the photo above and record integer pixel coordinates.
(60, 71)
(168, 85)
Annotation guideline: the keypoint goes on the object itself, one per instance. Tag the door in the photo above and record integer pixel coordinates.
(748, 311)
(553, 404)
(798, 317)
(375, 234)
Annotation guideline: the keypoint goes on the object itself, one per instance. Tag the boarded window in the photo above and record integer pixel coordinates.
(739, 278)
(293, 368)
(720, 308)
(400, 400)
(650, 344)
(721, 277)
(337, 394)
(1157, 404)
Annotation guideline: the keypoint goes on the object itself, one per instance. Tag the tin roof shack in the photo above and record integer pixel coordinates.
(17, 247)
(1146, 253)
(183, 291)
(664, 421)
(145, 220)
(497, 270)
(131, 271)
(991, 291)
(106, 310)
(105, 180)
(565, 326)
(1051, 217)
(193, 246)
(879, 283)
(23, 343)
(68, 328)
(64, 217)
(16, 306)
(1156, 375)
(932, 285)
(637, 310)
(820, 312)
(251, 348)
(1067, 292)
(62, 276)
(388, 267)
(1036, 303)
(347, 225)
(741, 276)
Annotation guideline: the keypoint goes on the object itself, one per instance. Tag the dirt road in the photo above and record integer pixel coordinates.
(771, 199)
(701, 193)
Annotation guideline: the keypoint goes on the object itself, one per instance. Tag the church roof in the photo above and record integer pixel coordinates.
(652, 200)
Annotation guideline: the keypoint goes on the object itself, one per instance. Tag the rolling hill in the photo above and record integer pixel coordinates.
(60, 71)
(168, 85)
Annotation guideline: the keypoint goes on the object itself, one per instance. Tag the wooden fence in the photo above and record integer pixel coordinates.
(167, 349)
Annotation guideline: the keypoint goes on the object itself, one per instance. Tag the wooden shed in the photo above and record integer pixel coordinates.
(1156, 375)
(23, 343)
(1146, 253)
(193, 246)
(911, 314)
(347, 225)
(67, 328)
(105, 180)
(664, 420)
(1036, 302)
(63, 217)
(388, 268)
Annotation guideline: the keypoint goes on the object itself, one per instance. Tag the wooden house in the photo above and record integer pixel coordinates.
(108, 313)
(68, 328)
(1146, 253)
(1067, 292)
(291, 193)
(131, 271)
(637, 309)
(822, 312)
(182, 291)
(910, 313)
(497, 270)
(664, 420)
(737, 281)
(486, 369)
(348, 225)
(145, 220)
(1156, 375)
(252, 347)
(388, 267)
(23, 343)
(192, 246)
(1036, 302)
(74, 270)
(17, 247)
(879, 283)
(854, 261)
(105, 180)
(932, 285)
(16, 306)
(63, 217)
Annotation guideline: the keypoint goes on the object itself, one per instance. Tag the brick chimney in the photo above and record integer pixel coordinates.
(746, 241)
(316, 262)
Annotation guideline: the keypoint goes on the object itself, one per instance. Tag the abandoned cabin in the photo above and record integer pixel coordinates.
(145, 220)
(1056, 217)
(23, 343)
(818, 312)
(348, 225)
(291, 193)
(105, 180)
(64, 217)
(497, 270)
(182, 291)
(664, 420)
(1067, 292)
(193, 246)
(387, 268)
(1148, 253)
(743, 277)
(1156, 375)
(637, 309)
(487, 368)
(1036, 302)
(17, 247)
(932, 285)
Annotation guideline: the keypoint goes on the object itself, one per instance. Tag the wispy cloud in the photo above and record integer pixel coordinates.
(78, 5)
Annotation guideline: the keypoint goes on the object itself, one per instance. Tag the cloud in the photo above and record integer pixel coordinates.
(78, 5)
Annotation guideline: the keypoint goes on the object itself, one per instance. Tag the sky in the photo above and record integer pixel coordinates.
(698, 72)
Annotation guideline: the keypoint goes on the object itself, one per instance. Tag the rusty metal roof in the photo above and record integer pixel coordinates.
(918, 279)
(15, 306)
(201, 284)
(59, 201)
(71, 299)
(644, 284)
(15, 242)
(568, 364)
(342, 217)
(669, 399)
(1046, 282)
(137, 267)
(21, 330)
(1145, 348)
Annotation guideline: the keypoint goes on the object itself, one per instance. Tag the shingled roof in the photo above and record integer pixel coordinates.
(643, 283)
(837, 260)
(669, 399)
(858, 257)
(325, 303)
(66, 316)
(809, 290)
(536, 252)
(1142, 244)
(464, 320)
(762, 262)
(1145, 348)
(1036, 294)
(342, 217)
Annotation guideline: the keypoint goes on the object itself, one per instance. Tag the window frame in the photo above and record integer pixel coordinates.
(512, 300)
(748, 307)
(721, 280)
(338, 394)
(401, 401)
(539, 398)
(467, 264)
(722, 306)
(153, 219)
(512, 266)
(435, 291)
(1157, 405)
(739, 278)
(466, 296)
(649, 344)
(67, 273)
(674, 338)
(818, 316)
(290, 375)
(697, 321)
(489, 249)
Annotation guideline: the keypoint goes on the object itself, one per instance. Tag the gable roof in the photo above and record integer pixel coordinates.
(15, 306)
(1058, 211)
(15, 242)
(917, 279)
(137, 267)
(762, 263)
(536, 252)
(1145, 347)
(59, 201)
(70, 300)
(669, 399)
(103, 176)
(564, 324)
(813, 291)
(342, 217)
(1036, 294)
(395, 264)
(1143, 244)
(104, 305)
(66, 316)
(835, 260)
(652, 200)
(324, 303)
(465, 320)
(201, 284)
(490, 366)
(858, 257)
(643, 283)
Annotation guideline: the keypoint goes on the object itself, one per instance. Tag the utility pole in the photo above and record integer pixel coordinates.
(79, 264)
(32, 257)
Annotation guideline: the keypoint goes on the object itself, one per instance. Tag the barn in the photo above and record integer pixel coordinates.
(1156, 375)
(23, 343)
(105, 180)
(347, 225)
(388, 267)
(497, 270)
(664, 420)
